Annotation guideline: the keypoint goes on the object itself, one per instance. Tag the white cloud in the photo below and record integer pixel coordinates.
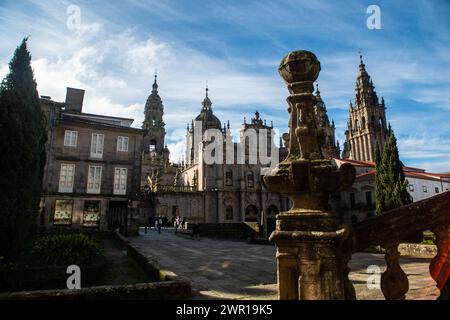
(145, 56)
(4, 69)
(116, 66)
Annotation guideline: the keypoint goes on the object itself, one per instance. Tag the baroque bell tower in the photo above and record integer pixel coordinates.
(367, 120)
(153, 122)
(155, 153)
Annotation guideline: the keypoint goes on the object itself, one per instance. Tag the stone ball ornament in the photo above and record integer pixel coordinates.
(299, 66)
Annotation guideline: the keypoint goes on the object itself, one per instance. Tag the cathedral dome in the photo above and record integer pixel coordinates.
(208, 119)
(206, 116)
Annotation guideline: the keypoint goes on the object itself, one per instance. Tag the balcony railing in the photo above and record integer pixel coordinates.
(168, 189)
(395, 226)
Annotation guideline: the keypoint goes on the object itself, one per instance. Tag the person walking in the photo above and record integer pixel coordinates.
(159, 225)
(195, 232)
(175, 224)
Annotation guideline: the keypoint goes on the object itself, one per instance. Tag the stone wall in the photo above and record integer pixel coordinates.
(417, 250)
(169, 290)
(226, 230)
(167, 285)
(32, 278)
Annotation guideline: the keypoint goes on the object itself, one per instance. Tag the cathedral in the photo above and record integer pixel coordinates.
(222, 192)
(232, 192)
(102, 172)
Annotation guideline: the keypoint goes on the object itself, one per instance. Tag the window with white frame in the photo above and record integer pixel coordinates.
(70, 138)
(66, 176)
(94, 179)
(97, 145)
(122, 143)
(120, 180)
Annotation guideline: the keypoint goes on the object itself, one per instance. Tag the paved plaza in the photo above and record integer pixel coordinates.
(224, 269)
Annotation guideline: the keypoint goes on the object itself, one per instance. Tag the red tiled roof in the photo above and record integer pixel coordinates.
(417, 175)
(372, 164)
(358, 163)
(363, 176)
(422, 175)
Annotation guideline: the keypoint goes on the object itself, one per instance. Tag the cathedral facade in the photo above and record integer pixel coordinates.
(228, 190)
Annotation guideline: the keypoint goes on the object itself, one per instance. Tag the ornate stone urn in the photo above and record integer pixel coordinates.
(310, 243)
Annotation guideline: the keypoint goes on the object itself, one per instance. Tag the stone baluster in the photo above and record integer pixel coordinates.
(394, 282)
(440, 265)
(349, 289)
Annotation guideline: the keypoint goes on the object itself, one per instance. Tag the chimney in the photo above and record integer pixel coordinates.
(74, 100)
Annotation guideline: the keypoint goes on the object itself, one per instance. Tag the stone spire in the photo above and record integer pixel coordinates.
(325, 129)
(155, 85)
(206, 103)
(367, 120)
(154, 109)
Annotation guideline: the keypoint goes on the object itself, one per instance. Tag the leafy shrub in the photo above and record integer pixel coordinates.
(428, 238)
(66, 249)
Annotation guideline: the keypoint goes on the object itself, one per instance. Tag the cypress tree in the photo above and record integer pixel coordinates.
(22, 157)
(379, 200)
(391, 184)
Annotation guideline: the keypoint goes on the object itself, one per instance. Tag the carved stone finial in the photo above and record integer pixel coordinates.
(307, 236)
(300, 69)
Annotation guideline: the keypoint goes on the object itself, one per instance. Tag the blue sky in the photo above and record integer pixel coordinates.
(235, 47)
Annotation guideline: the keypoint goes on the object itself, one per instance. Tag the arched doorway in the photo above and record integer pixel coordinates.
(272, 211)
(251, 214)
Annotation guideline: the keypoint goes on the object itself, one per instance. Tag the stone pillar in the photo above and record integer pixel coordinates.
(288, 273)
(308, 237)
(361, 143)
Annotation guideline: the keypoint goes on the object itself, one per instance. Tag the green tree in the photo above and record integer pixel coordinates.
(379, 195)
(22, 157)
(391, 184)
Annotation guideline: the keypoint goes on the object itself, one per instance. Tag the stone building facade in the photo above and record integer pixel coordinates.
(358, 202)
(93, 168)
(231, 190)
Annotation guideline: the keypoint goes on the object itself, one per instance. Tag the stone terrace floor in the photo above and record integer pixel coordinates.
(224, 269)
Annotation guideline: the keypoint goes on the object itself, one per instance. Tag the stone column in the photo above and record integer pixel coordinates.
(288, 273)
(307, 236)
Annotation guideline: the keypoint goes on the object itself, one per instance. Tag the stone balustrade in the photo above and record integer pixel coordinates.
(313, 250)
(399, 225)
